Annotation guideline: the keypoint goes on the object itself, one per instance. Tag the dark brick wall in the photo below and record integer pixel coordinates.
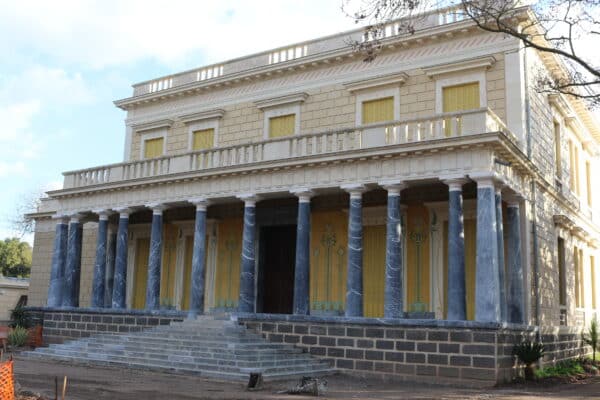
(60, 326)
(447, 355)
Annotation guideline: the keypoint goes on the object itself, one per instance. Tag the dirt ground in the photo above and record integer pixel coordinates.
(97, 383)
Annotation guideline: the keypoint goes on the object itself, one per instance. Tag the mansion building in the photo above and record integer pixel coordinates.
(433, 187)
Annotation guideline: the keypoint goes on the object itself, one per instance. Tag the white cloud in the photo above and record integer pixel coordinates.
(106, 33)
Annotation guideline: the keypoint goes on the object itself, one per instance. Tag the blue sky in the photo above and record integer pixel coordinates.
(63, 63)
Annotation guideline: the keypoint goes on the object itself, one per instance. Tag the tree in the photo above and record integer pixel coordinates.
(564, 29)
(15, 258)
(28, 203)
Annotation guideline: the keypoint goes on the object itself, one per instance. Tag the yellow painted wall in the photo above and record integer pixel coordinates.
(142, 251)
(374, 270)
(229, 253)
(187, 270)
(417, 259)
(169, 265)
(328, 249)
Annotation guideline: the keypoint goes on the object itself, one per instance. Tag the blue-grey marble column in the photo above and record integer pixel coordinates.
(110, 265)
(457, 301)
(248, 263)
(120, 280)
(99, 280)
(155, 258)
(59, 256)
(70, 296)
(354, 281)
(487, 285)
(302, 266)
(393, 306)
(515, 298)
(500, 247)
(198, 259)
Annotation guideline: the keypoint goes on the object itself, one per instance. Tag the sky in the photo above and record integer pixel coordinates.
(63, 63)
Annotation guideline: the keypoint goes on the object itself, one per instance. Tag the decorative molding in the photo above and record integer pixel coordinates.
(560, 103)
(147, 126)
(435, 71)
(202, 115)
(290, 99)
(376, 82)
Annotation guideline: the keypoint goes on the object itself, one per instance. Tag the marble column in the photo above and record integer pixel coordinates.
(70, 296)
(456, 297)
(500, 249)
(354, 281)
(120, 279)
(487, 285)
(516, 296)
(110, 265)
(99, 280)
(393, 306)
(198, 259)
(302, 266)
(155, 258)
(59, 256)
(248, 262)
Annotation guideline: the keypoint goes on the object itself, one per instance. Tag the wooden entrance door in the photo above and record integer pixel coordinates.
(418, 268)
(169, 266)
(140, 273)
(374, 270)
(229, 253)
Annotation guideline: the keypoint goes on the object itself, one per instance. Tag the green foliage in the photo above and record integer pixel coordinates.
(563, 368)
(591, 338)
(529, 352)
(19, 317)
(15, 258)
(17, 337)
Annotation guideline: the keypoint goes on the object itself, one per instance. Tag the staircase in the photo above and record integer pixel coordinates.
(207, 346)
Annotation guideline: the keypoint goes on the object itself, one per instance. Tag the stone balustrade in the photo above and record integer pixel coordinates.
(313, 145)
(292, 53)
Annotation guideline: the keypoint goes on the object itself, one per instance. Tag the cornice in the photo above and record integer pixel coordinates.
(435, 71)
(294, 98)
(378, 81)
(202, 115)
(147, 126)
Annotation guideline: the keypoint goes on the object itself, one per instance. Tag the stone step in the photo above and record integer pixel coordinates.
(182, 343)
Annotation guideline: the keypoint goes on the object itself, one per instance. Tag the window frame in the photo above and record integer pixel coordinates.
(460, 79)
(162, 133)
(280, 111)
(376, 94)
(203, 125)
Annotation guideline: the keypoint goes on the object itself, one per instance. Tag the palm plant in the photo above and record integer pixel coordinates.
(529, 353)
(591, 338)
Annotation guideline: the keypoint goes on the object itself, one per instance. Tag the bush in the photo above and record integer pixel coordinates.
(529, 353)
(17, 337)
(19, 317)
(563, 368)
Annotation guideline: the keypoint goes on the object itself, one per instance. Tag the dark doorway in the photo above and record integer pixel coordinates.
(277, 255)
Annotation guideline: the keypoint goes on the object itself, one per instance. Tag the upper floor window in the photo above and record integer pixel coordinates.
(460, 97)
(154, 147)
(378, 110)
(578, 265)
(588, 182)
(283, 125)
(203, 139)
(562, 285)
(557, 151)
(574, 167)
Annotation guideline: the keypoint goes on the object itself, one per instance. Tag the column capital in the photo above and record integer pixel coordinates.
(393, 187)
(61, 218)
(201, 203)
(75, 218)
(454, 182)
(157, 208)
(124, 211)
(102, 214)
(355, 190)
(303, 194)
(513, 200)
(486, 179)
(249, 199)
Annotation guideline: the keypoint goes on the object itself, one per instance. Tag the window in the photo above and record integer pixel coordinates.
(557, 152)
(588, 182)
(284, 125)
(593, 278)
(577, 263)
(378, 110)
(203, 139)
(574, 167)
(562, 287)
(460, 97)
(154, 147)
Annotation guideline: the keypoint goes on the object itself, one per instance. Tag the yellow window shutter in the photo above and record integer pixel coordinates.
(379, 110)
(284, 125)
(461, 97)
(203, 139)
(153, 148)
